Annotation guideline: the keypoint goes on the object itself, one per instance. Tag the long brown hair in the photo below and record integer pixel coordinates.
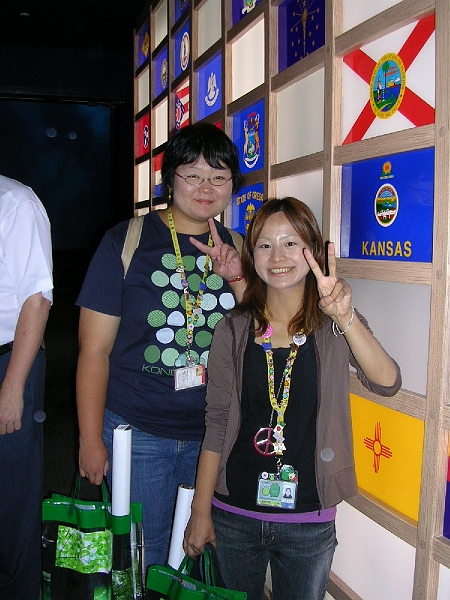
(309, 317)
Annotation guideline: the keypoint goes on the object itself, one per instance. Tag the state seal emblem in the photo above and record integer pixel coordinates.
(163, 76)
(252, 146)
(213, 90)
(387, 86)
(184, 51)
(386, 205)
(145, 136)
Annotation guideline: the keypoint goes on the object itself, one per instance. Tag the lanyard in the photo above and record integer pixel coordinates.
(192, 310)
(279, 406)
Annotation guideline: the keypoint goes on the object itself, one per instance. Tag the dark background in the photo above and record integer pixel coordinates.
(66, 130)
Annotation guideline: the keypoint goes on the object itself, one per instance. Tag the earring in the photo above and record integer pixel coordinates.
(169, 196)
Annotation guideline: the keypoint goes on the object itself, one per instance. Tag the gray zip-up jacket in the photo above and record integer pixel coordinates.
(334, 461)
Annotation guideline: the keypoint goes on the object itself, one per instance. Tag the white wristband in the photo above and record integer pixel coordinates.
(336, 329)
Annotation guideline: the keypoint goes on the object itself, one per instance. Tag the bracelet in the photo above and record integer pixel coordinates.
(336, 329)
(238, 278)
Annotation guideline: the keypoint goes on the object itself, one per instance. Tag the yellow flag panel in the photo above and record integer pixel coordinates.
(388, 449)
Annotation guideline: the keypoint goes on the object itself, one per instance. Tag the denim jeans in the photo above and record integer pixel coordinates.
(21, 492)
(158, 466)
(300, 556)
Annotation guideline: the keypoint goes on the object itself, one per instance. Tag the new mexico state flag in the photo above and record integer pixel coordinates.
(388, 449)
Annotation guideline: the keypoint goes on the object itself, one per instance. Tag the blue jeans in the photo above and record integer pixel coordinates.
(21, 492)
(300, 556)
(158, 466)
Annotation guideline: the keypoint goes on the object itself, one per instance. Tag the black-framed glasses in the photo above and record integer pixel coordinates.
(194, 179)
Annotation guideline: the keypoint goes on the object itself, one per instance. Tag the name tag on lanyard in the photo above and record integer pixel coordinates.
(189, 377)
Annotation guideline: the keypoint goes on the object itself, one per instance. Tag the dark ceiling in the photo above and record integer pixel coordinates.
(89, 24)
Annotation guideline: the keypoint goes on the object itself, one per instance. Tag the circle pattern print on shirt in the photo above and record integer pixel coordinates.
(169, 356)
(160, 279)
(214, 282)
(152, 354)
(169, 324)
(170, 299)
(156, 318)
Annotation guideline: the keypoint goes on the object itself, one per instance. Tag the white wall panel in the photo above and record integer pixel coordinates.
(248, 61)
(144, 89)
(374, 563)
(209, 25)
(399, 315)
(161, 116)
(307, 187)
(300, 118)
(160, 23)
(143, 180)
(355, 13)
(444, 583)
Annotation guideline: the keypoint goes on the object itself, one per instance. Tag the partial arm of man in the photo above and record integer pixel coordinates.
(200, 529)
(27, 341)
(97, 334)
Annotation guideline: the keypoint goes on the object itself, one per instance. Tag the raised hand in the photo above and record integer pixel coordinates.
(225, 259)
(335, 293)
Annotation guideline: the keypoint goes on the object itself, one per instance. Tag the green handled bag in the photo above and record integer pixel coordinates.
(76, 547)
(198, 579)
(87, 553)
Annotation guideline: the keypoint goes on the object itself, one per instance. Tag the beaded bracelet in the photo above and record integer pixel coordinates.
(336, 329)
(238, 278)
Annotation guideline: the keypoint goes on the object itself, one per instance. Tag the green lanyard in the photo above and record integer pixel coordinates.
(192, 310)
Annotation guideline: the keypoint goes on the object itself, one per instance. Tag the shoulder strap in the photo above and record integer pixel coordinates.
(238, 240)
(131, 241)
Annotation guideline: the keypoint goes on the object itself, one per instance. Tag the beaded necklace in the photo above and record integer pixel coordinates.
(279, 405)
(192, 309)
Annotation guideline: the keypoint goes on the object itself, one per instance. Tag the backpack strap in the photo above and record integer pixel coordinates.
(238, 240)
(131, 241)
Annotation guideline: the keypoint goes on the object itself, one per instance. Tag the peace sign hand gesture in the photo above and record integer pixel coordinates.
(335, 293)
(225, 259)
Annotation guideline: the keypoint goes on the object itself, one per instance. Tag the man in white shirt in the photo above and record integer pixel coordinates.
(25, 298)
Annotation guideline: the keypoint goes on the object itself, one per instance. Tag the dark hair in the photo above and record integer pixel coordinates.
(200, 139)
(309, 317)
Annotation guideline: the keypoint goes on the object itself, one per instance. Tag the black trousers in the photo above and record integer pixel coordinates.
(21, 460)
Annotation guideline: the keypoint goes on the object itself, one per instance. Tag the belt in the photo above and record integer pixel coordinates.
(5, 348)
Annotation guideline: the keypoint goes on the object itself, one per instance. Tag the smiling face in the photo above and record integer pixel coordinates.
(278, 255)
(193, 204)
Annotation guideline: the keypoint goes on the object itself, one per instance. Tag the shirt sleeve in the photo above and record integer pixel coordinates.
(103, 285)
(28, 247)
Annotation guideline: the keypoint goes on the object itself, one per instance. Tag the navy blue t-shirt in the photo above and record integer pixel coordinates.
(152, 331)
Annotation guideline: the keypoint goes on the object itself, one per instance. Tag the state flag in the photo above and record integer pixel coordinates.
(399, 66)
(142, 136)
(182, 106)
(388, 448)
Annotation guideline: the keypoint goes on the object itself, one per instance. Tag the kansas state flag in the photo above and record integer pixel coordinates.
(387, 207)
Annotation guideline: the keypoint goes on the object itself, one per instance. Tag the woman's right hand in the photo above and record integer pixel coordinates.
(93, 461)
(199, 530)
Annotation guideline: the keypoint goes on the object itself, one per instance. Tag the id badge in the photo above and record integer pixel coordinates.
(276, 491)
(189, 377)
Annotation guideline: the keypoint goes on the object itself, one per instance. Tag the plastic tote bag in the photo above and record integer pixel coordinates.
(198, 579)
(77, 549)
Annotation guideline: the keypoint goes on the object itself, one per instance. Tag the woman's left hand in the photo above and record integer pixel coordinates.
(225, 259)
(335, 293)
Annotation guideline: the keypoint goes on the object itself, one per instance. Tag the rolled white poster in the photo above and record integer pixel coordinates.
(181, 517)
(121, 471)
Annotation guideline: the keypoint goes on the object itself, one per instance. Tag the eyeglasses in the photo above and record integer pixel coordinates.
(193, 179)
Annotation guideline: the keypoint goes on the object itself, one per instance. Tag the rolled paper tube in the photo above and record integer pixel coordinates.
(121, 471)
(182, 514)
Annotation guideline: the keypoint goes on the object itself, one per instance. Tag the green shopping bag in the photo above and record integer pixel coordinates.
(81, 541)
(198, 579)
